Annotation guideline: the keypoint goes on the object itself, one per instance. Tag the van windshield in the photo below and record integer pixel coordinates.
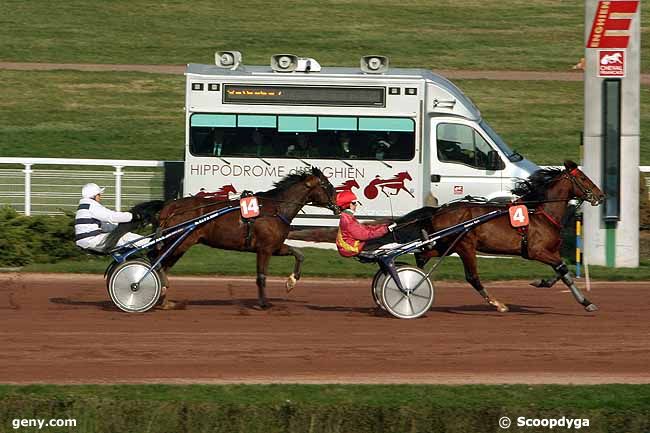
(509, 153)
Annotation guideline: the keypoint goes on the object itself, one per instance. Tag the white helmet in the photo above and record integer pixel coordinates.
(90, 190)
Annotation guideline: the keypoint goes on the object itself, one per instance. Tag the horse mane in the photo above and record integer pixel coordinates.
(290, 180)
(534, 188)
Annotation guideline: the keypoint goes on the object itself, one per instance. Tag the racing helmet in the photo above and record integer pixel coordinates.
(90, 190)
(344, 198)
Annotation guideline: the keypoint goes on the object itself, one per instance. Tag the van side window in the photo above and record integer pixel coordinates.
(284, 136)
(461, 144)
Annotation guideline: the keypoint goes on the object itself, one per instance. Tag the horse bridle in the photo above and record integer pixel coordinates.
(331, 205)
(587, 192)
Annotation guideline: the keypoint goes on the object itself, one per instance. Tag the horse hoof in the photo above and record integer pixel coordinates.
(291, 283)
(264, 305)
(591, 308)
(167, 304)
(501, 307)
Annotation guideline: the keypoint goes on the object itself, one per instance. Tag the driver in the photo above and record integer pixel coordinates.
(352, 234)
(94, 222)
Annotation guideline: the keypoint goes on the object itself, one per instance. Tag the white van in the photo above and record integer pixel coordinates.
(398, 138)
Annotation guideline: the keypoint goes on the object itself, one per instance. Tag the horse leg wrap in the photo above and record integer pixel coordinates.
(577, 294)
(561, 269)
(300, 258)
(261, 280)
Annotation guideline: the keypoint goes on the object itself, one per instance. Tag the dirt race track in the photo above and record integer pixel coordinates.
(63, 329)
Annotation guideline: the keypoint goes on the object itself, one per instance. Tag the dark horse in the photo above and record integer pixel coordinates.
(546, 192)
(264, 235)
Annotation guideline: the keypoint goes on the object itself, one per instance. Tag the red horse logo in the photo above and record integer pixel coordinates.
(347, 185)
(395, 183)
(222, 193)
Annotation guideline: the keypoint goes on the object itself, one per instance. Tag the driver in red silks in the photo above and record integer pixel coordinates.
(352, 234)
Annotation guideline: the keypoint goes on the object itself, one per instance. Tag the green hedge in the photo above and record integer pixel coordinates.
(36, 239)
(466, 409)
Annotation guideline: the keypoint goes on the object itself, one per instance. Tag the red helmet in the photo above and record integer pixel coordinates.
(344, 198)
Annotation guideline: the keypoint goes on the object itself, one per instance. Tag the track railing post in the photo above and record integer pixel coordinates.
(28, 188)
(118, 186)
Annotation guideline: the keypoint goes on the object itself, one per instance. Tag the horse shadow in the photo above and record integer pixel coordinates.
(368, 311)
(247, 303)
(102, 305)
(532, 310)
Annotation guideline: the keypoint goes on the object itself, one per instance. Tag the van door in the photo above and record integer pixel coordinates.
(464, 161)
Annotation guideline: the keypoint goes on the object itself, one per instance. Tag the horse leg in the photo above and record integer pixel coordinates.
(468, 256)
(562, 271)
(286, 250)
(423, 257)
(263, 258)
(164, 303)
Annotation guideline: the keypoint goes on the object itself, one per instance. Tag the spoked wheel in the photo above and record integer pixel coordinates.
(418, 297)
(377, 284)
(129, 291)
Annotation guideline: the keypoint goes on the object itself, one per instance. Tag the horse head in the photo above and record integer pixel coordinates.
(583, 187)
(321, 191)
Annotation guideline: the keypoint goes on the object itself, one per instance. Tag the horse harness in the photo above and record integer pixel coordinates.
(523, 231)
(250, 221)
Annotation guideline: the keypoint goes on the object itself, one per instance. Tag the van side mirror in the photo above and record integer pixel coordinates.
(494, 162)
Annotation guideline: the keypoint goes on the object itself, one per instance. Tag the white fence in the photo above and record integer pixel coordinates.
(52, 185)
(33, 188)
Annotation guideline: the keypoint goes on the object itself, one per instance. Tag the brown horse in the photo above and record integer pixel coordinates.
(547, 192)
(264, 235)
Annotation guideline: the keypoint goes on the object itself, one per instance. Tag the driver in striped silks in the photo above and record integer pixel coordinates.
(94, 222)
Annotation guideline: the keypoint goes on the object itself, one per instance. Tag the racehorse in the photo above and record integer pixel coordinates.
(264, 235)
(548, 192)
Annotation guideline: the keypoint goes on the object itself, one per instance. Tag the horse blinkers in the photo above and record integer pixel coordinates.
(577, 178)
(329, 191)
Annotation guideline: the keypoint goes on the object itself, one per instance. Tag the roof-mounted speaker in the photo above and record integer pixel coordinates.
(227, 59)
(284, 62)
(374, 64)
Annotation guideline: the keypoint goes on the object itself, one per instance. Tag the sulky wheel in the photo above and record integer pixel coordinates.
(129, 291)
(418, 297)
(377, 284)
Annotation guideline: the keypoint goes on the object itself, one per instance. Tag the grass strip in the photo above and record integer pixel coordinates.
(202, 260)
(130, 115)
(465, 34)
(324, 408)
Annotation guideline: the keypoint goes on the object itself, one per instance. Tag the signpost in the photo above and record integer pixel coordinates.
(611, 130)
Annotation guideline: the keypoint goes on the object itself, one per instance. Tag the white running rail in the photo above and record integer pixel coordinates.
(53, 189)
